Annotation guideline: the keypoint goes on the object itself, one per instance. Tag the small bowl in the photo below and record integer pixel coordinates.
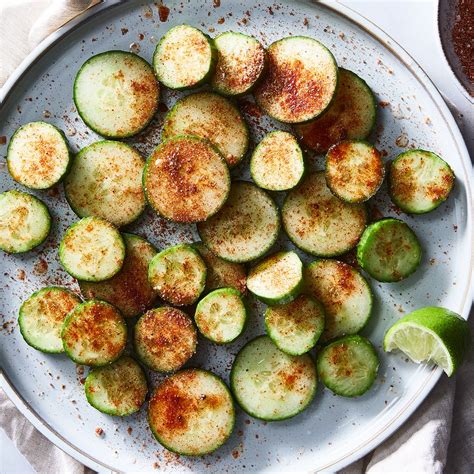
(445, 17)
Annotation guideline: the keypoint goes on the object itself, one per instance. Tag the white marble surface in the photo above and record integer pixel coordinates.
(412, 23)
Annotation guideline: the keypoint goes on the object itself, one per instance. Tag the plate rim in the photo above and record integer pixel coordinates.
(423, 79)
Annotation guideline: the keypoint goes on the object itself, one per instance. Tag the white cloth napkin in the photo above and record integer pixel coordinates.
(438, 438)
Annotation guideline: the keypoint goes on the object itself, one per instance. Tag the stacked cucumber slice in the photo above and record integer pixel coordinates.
(189, 179)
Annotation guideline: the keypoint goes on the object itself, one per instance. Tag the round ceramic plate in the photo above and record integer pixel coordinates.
(333, 431)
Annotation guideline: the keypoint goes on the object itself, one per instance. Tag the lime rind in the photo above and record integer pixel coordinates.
(420, 345)
(431, 334)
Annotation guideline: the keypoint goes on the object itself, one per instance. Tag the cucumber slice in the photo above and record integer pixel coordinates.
(42, 316)
(94, 333)
(220, 273)
(106, 181)
(354, 171)
(25, 221)
(348, 366)
(351, 115)
(246, 226)
(192, 413)
(129, 290)
(118, 389)
(277, 162)
(389, 250)
(318, 222)
(178, 274)
(185, 57)
(116, 93)
(165, 339)
(278, 279)
(269, 384)
(241, 61)
(38, 155)
(295, 327)
(212, 117)
(300, 82)
(419, 181)
(92, 249)
(186, 179)
(345, 294)
(221, 315)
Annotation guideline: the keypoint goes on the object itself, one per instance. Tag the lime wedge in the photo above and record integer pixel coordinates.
(431, 334)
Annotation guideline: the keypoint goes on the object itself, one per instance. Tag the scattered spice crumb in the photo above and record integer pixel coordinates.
(129, 430)
(341, 35)
(235, 454)
(384, 103)
(221, 20)
(432, 261)
(124, 31)
(455, 227)
(21, 275)
(305, 21)
(141, 36)
(402, 141)
(41, 267)
(163, 12)
(428, 121)
(99, 432)
(217, 3)
(3, 140)
(46, 113)
(156, 465)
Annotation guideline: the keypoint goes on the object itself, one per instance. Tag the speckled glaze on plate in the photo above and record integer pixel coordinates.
(334, 431)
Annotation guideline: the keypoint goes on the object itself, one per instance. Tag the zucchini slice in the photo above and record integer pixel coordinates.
(192, 412)
(165, 339)
(300, 82)
(129, 290)
(345, 294)
(246, 226)
(94, 333)
(92, 249)
(186, 179)
(116, 93)
(25, 221)
(354, 171)
(38, 155)
(221, 273)
(118, 389)
(221, 315)
(277, 162)
(295, 327)
(278, 279)
(241, 61)
(42, 316)
(106, 181)
(348, 366)
(269, 384)
(185, 57)
(178, 274)
(389, 250)
(212, 117)
(318, 222)
(351, 115)
(419, 181)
